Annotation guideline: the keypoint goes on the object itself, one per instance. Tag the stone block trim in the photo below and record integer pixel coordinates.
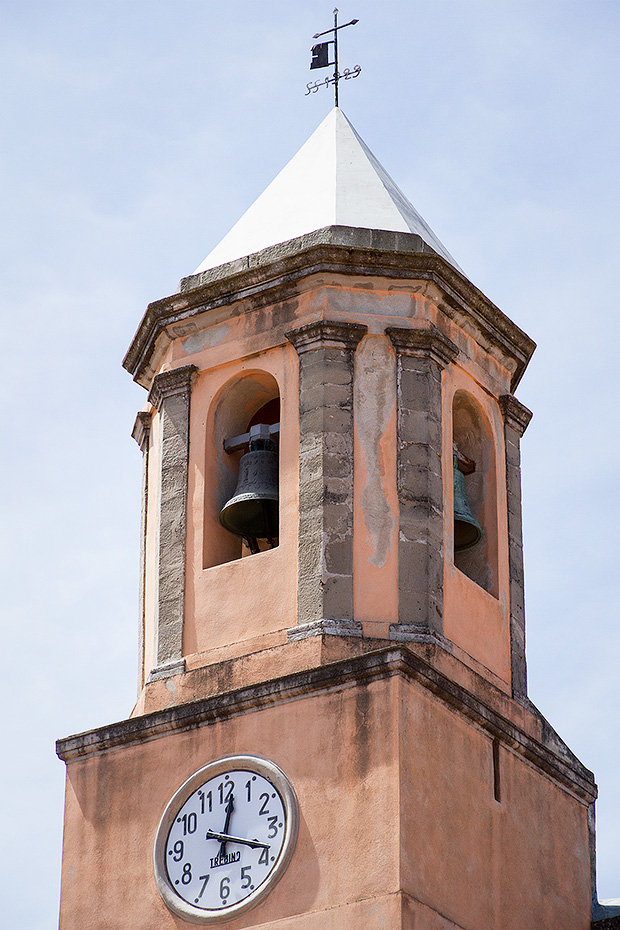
(516, 418)
(142, 434)
(325, 554)
(421, 356)
(170, 395)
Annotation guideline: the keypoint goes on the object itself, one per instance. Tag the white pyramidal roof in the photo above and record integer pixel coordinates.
(333, 180)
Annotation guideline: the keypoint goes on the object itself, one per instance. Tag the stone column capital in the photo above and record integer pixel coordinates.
(515, 414)
(423, 343)
(326, 334)
(142, 429)
(169, 383)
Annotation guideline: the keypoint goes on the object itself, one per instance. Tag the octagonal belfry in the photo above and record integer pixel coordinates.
(351, 641)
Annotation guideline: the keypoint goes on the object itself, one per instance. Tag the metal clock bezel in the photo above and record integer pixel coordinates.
(250, 763)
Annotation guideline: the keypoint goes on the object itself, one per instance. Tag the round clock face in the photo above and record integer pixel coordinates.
(225, 838)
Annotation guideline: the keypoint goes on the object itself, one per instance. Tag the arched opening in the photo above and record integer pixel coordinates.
(472, 438)
(244, 402)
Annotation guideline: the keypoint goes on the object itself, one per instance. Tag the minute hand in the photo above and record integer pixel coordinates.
(227, 838)
(229, 809)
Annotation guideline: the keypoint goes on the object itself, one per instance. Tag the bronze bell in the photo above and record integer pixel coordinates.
(467, 530)
(252, 511)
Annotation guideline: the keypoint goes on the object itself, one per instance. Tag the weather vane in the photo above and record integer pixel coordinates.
(320, 59)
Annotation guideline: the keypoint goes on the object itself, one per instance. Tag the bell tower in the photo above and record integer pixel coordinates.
(332, 727)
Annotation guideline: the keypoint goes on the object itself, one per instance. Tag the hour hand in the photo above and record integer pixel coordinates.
(226, 838)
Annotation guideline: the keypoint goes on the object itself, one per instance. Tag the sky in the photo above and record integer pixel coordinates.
(135, 134)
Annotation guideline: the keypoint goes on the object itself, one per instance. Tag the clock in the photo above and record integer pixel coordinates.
(225, 838)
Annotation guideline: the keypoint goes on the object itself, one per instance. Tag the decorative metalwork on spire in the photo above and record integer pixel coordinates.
(320, 59)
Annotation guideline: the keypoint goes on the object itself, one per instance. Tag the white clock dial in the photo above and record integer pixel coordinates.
(225, 838)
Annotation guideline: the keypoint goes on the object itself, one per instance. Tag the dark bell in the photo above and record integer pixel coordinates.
(467, 530)
(252, 511)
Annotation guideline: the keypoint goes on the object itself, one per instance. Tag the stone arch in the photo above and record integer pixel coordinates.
(233, 409)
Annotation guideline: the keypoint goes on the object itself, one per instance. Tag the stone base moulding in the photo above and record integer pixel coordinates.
(168, 670)
(324, 627)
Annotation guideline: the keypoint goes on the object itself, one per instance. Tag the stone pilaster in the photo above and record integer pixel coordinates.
(516, 419)
(142, 434)
(170, 395)
(421, 356)
(325, 585)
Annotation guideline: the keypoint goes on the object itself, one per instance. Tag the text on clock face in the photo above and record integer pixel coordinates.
(225, 840)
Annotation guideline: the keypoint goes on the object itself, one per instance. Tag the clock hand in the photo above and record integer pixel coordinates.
(229, 809)
(225, 837)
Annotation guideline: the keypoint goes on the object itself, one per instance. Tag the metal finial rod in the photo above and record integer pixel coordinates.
(320, 58)
(336, 75)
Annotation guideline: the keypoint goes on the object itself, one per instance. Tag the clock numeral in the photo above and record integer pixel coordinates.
(229, 787)
(263, 859)
(178, 850)
(264, 809)
(224, 888)
(248, 785)
(204, 879)
(189, 821)
(186, 877)
(273, 827)
(202, 797)
(246, 880)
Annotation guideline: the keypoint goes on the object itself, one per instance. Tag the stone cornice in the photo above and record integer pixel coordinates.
(169, 383)
(326, 334)
(549, 755)
(515, 414)
(142, 429)
(423, 343)
(274, 275)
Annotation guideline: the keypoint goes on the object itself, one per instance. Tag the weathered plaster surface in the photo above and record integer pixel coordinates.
(387, 742)
(374, 398)
(476, 619)
(281, 273)
(204, 338)
(230, 599)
